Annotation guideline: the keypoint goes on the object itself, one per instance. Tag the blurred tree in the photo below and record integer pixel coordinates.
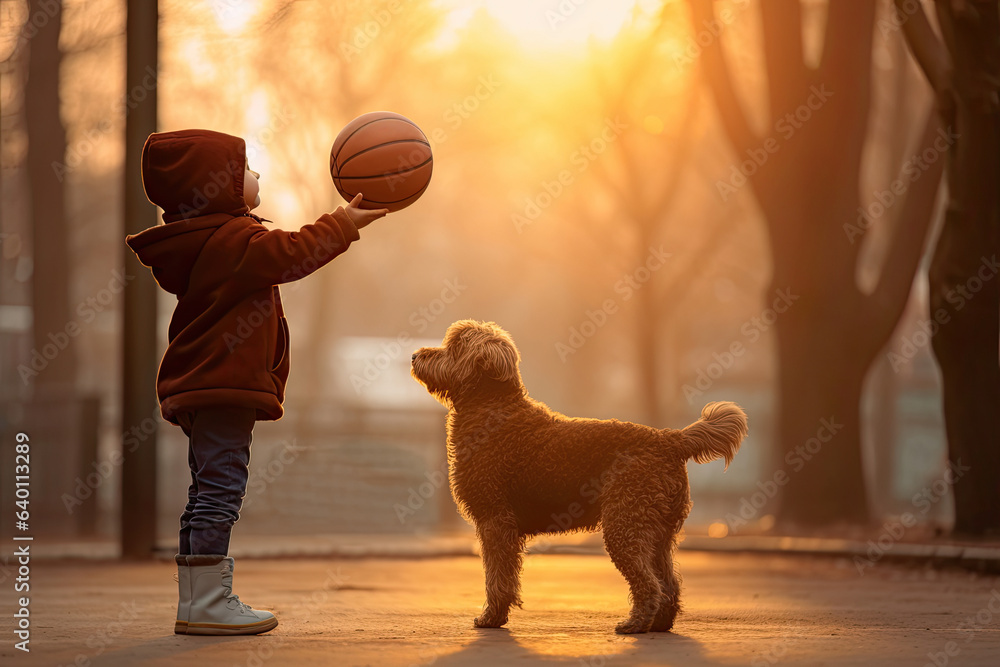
(964, 71)
(55, 367)
(140, 360)
(896, 87)
(807, 184)
(645, 188)
(359, 51)
(622, 216)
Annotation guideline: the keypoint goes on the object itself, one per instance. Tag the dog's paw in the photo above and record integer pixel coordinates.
(661, 626)
(631, 626)
(663, 621)
(488, 621)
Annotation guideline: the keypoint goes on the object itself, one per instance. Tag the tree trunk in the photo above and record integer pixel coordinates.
(966, 351)
(54, 354)
(805, 172)
(818, 422)
(966, 257)
(140, 360)
(964, 285)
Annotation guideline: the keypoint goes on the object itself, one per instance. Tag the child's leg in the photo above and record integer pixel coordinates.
(219, 459)
(184, 538)
(220, 453)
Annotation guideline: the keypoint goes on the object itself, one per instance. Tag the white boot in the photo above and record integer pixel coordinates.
(211, 608)
(183, 595)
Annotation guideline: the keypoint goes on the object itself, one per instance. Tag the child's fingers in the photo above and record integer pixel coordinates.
(379, 212)
(356, 202)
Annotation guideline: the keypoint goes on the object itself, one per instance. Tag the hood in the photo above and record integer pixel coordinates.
(171, 250)
(190, 173)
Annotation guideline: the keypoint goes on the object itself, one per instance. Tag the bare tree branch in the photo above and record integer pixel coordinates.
(734, 119)
(928, 50)
(847, 64)
(906, 247)
(783, 60)
(683, 147)
(679, 280)
(847, 42)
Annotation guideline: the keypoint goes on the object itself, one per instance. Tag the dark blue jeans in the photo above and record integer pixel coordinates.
(219, 458)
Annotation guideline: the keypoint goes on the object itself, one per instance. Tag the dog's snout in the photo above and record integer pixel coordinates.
(413, 357)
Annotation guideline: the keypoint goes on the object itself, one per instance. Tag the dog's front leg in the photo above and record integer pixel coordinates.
(502, 549)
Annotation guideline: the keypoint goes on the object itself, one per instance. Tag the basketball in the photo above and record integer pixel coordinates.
(384, 156)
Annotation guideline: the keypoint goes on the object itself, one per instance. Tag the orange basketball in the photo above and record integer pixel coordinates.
(385, 157)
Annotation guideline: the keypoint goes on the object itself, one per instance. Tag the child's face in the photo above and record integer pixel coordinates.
(251, 188)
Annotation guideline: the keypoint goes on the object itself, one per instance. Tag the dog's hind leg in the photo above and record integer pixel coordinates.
(631, 540)
(502, 548)
(670, 582)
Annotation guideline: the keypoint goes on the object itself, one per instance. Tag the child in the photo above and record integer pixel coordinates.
(227, 358)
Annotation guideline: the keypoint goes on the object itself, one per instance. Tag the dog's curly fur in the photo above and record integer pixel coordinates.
(519, 469)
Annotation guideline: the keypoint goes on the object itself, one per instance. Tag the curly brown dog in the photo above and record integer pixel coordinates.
(518, 469)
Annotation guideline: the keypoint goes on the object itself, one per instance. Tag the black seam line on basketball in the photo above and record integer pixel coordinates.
(358, 129)
(387, 143)
(388, 173)
(395, 201)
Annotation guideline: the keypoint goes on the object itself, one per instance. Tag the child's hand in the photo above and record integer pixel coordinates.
(362, 217)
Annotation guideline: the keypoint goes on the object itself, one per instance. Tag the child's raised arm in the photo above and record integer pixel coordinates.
(276, 256)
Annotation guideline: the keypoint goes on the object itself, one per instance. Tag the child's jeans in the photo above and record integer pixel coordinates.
(219, 458)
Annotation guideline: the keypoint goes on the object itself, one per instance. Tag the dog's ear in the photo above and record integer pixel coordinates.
(499, 358)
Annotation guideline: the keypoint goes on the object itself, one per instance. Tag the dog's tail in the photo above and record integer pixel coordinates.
(716, 435)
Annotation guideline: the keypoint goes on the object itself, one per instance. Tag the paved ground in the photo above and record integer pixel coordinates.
(740, 610)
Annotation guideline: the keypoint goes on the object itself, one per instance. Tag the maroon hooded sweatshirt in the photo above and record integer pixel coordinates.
(228, 339)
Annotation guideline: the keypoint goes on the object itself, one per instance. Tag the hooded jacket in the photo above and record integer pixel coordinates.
(228, 339)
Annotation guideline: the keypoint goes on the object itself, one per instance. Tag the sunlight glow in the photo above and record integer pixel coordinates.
(718, 530)
(257, 111)
(257, 133)
(558, 23)
(233, 15)
(281, 205)
(653, 124)
(196, 59)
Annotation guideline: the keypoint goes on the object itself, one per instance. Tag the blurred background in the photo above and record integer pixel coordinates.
(579, 199)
